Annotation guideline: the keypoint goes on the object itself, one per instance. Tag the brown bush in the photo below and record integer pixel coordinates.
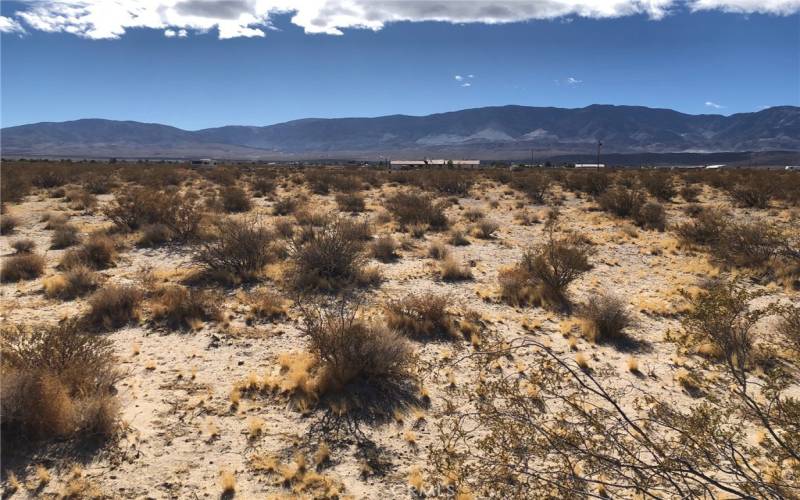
(754, 190)
(22, 267)
(414, 208)
(76, 282)
(350, 351)
(181, 308)
(748, 244)
(99, 251)
(237, 250)
(592, 183)
(535, 185)
(8, 224)
(327, 257)
(266, 305)
(113, 307)
(155, 235)
(80, 199)
(474, 214)
(660, 185)
(706, 227)
(438, 250)
(350, 202)
(54, 220)
(457, 238)
(652, 216)
(605, 318)
(789, 327)
(421, 316)
(64, 236)
(384, 248)
(285, 206)
(451, 270)
(621, 201)
(263, 186)
(236, 200)
(486, 229)
(26, 245)
(57, 382)
(142, 206)
(690, 192)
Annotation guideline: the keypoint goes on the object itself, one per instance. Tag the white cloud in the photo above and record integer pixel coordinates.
(8, 25)
(466, 84)
(714, 105)
(249, 18)
(170, 33)
(470, 76)
(458, 78)
(572, 81)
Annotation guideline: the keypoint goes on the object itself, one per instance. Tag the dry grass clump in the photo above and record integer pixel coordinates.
(474, 214)
(421, 316)
(75, 282)
(690, 193)
(350, 202)
(266, 305)
(54, 220)
(8, 224)
(57, 382)
(113, 307)
(21, 267)
(237, 250)
(438, 250)
(181, 308)
(235, 200)
(64, 236)
(544, 273)
(457, 238)
(452, 270)
(286, 205)
(384, 248)
(80, 199)
(410, 208)
(789, 327)
(26, 245)
(486, 229)
(350, 351)
(99, 251)
(330, 257)
(605, 319)
(154, 235)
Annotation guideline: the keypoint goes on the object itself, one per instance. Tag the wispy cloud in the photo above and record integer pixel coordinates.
(573, 81)
(466, 84)
(8, 25)
(714, 105)
(458, 78)
(170, 33)
(99, 19)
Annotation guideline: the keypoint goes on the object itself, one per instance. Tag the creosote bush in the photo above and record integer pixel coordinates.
(622, 202)
(384, 248)
(652, 216)
(350, 202)
(421, 316)
(57, 382)
(25, 245)
(451, 270)
(660, 185)
(235, 199)
(605, 319)
(64, 236)
(76, 282)
(8, 224)
(21, 267)
(138, 207)
(99, 251)
(410, 208)
(237, 250)
(113, 307)
(181, 308)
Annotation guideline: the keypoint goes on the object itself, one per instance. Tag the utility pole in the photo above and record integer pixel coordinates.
(597, 165)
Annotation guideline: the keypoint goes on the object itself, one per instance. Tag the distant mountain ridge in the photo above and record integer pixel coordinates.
(498, 132)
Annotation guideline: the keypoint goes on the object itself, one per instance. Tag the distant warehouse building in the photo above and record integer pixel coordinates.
(435, 163)
(590, 165)
(203, 162)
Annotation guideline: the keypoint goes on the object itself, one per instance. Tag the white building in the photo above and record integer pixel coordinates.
(435, 163)
(203, 162)
(590, 165)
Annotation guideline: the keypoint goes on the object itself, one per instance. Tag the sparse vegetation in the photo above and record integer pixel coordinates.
(605, 319)
(113, 307)
(237, 250)
(421, 316)
(411, 208)
(22, 267)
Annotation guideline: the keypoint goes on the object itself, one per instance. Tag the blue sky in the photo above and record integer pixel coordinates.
(696, 62)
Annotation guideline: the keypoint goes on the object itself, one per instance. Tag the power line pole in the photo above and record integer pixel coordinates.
(597, 165)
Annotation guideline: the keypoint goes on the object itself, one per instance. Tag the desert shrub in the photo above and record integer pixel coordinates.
(457, 238)
(690, 192)
(327, 257)
(154, 235)
(448, 182)
(8, 224)
(705, 228)
(80, 199)
(486, 229)
(748, 244)
(49, 179)
(181, 308)
(237, 250)
(22, 267)
(26, 245)
(57, 382)
(266, 305)
(545, 272)
(474, 214)
(235, 199)
(789, 327)
(350, 351)
(262, 186)
(535, 185)
(660, 185)
(97, 184)
(350, 202)
(64, 236)
(285, 206)
(438, 250)
(384, 248)
(76, 282)
(421, 316)
(621, 201)
(142, 206)
(754, 190)
(411, 208)
(14, 186)
(99, 251)
(605, 319)
(592, 183)
(452, 270)
(54, 220)
(652, 216)
(113, 307)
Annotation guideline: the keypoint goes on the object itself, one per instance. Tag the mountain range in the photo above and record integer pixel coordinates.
(499, 132)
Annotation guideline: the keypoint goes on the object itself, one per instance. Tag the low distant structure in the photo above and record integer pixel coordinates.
(435, 163)
(203, 162)
(792, 167)
(714, 167)
(590, 165)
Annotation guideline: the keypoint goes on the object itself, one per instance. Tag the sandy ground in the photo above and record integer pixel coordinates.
(181, 431)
